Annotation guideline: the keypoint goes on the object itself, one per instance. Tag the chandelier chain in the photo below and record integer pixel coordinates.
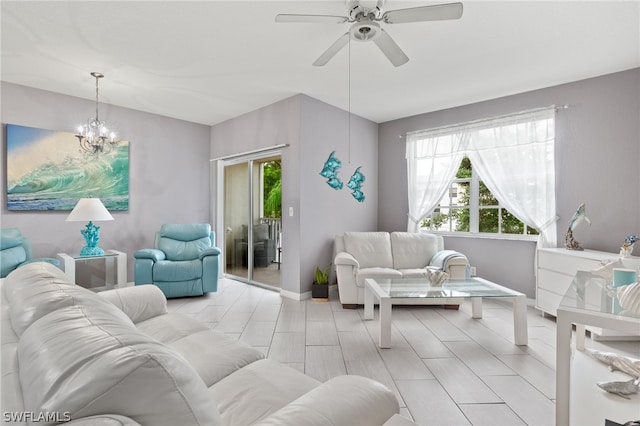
(97, 79)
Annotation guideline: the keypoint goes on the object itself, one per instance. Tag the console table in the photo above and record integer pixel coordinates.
(588, 301)
(115, 267)
(556, 268)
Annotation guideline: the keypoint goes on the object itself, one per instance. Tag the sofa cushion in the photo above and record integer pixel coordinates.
(95, 361)
(172, 271)
(257, 390)
(171, 327)
(199, 349)
(177, 250)
(105, 420)
(139, 303)
(380, 273)
(38, 289)
(413, 250)
(370, 249)
(346, 400)
(7, 335)
(33, 273)
(184, 241)
(11, 258)
(199, 345)
(10, 389)
(11, 237)
(181, 288)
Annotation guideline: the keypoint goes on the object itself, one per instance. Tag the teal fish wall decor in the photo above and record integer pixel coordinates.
(330, 171)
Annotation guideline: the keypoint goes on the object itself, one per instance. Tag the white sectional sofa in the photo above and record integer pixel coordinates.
(362, 255)
(119, 358)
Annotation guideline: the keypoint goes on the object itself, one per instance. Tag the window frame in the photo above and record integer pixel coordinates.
(474, 208)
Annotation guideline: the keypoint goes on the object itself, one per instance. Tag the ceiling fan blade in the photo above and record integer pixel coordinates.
(332, 50)
(319, 19)
(436, 12)
(390, 49)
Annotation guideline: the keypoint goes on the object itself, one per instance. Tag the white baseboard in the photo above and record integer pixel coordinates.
(295, 296)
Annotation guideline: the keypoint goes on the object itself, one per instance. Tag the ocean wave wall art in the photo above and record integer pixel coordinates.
(46, 170)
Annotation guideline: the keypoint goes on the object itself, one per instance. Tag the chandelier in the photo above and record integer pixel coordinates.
(94, 137)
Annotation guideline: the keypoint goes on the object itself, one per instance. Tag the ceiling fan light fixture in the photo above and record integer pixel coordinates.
(365, 31)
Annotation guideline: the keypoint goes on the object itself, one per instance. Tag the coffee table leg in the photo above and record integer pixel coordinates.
(385, 323)
(520, 331)
(368, 303)
(476, 307)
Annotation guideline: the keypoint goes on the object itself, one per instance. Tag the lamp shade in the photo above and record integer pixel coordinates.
(89, 209)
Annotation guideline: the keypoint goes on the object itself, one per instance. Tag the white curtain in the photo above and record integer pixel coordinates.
(514, 157)
(432, 163)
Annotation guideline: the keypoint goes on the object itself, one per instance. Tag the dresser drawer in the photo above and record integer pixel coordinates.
(567, 263)
(553, 281)
(547, 301)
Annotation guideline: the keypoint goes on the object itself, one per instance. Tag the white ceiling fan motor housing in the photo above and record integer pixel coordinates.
(364, 4)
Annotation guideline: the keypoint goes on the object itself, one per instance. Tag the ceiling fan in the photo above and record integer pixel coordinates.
(365, 16)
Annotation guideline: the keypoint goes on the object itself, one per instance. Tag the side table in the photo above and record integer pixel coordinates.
(587, 302)
(115, 267)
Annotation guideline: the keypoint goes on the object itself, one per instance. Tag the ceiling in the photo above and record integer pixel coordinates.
(210, 61)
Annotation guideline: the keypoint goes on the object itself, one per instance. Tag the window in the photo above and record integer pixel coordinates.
(271, 180)
(489, 176)
(469, 206)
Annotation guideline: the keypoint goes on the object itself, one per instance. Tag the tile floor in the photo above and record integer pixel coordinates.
(445, 367)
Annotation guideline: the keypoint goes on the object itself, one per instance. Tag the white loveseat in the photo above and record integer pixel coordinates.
(119, 358)
(362, 255)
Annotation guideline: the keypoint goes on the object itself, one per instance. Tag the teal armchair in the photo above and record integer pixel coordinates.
(183, 261)
(15, 251)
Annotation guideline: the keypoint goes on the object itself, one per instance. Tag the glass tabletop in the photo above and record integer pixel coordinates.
(592, 292)
(107, 253)
(422, 288)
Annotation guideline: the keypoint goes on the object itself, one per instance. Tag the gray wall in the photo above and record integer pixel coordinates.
(312, 129)
(598, 153)
(168, 172)
(597, 162)
(326, 212)
(275, 124)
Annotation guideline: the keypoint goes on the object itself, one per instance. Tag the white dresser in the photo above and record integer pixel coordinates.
(556, 268)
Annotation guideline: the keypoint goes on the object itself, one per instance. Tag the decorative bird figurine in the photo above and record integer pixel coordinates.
(627, 245)
(578, 217)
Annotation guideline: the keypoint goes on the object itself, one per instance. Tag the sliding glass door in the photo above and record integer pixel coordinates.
(252, 219)
(237, 211)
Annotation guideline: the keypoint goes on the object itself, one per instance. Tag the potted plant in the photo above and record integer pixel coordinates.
(320, 286)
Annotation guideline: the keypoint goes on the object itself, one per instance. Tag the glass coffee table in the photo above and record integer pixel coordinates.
(415, 291)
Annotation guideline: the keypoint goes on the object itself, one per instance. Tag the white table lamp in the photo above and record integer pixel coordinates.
(90, 209)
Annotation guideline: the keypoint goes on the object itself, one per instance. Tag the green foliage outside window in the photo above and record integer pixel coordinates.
(272, 182)
(491, 217)
(438, 220)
